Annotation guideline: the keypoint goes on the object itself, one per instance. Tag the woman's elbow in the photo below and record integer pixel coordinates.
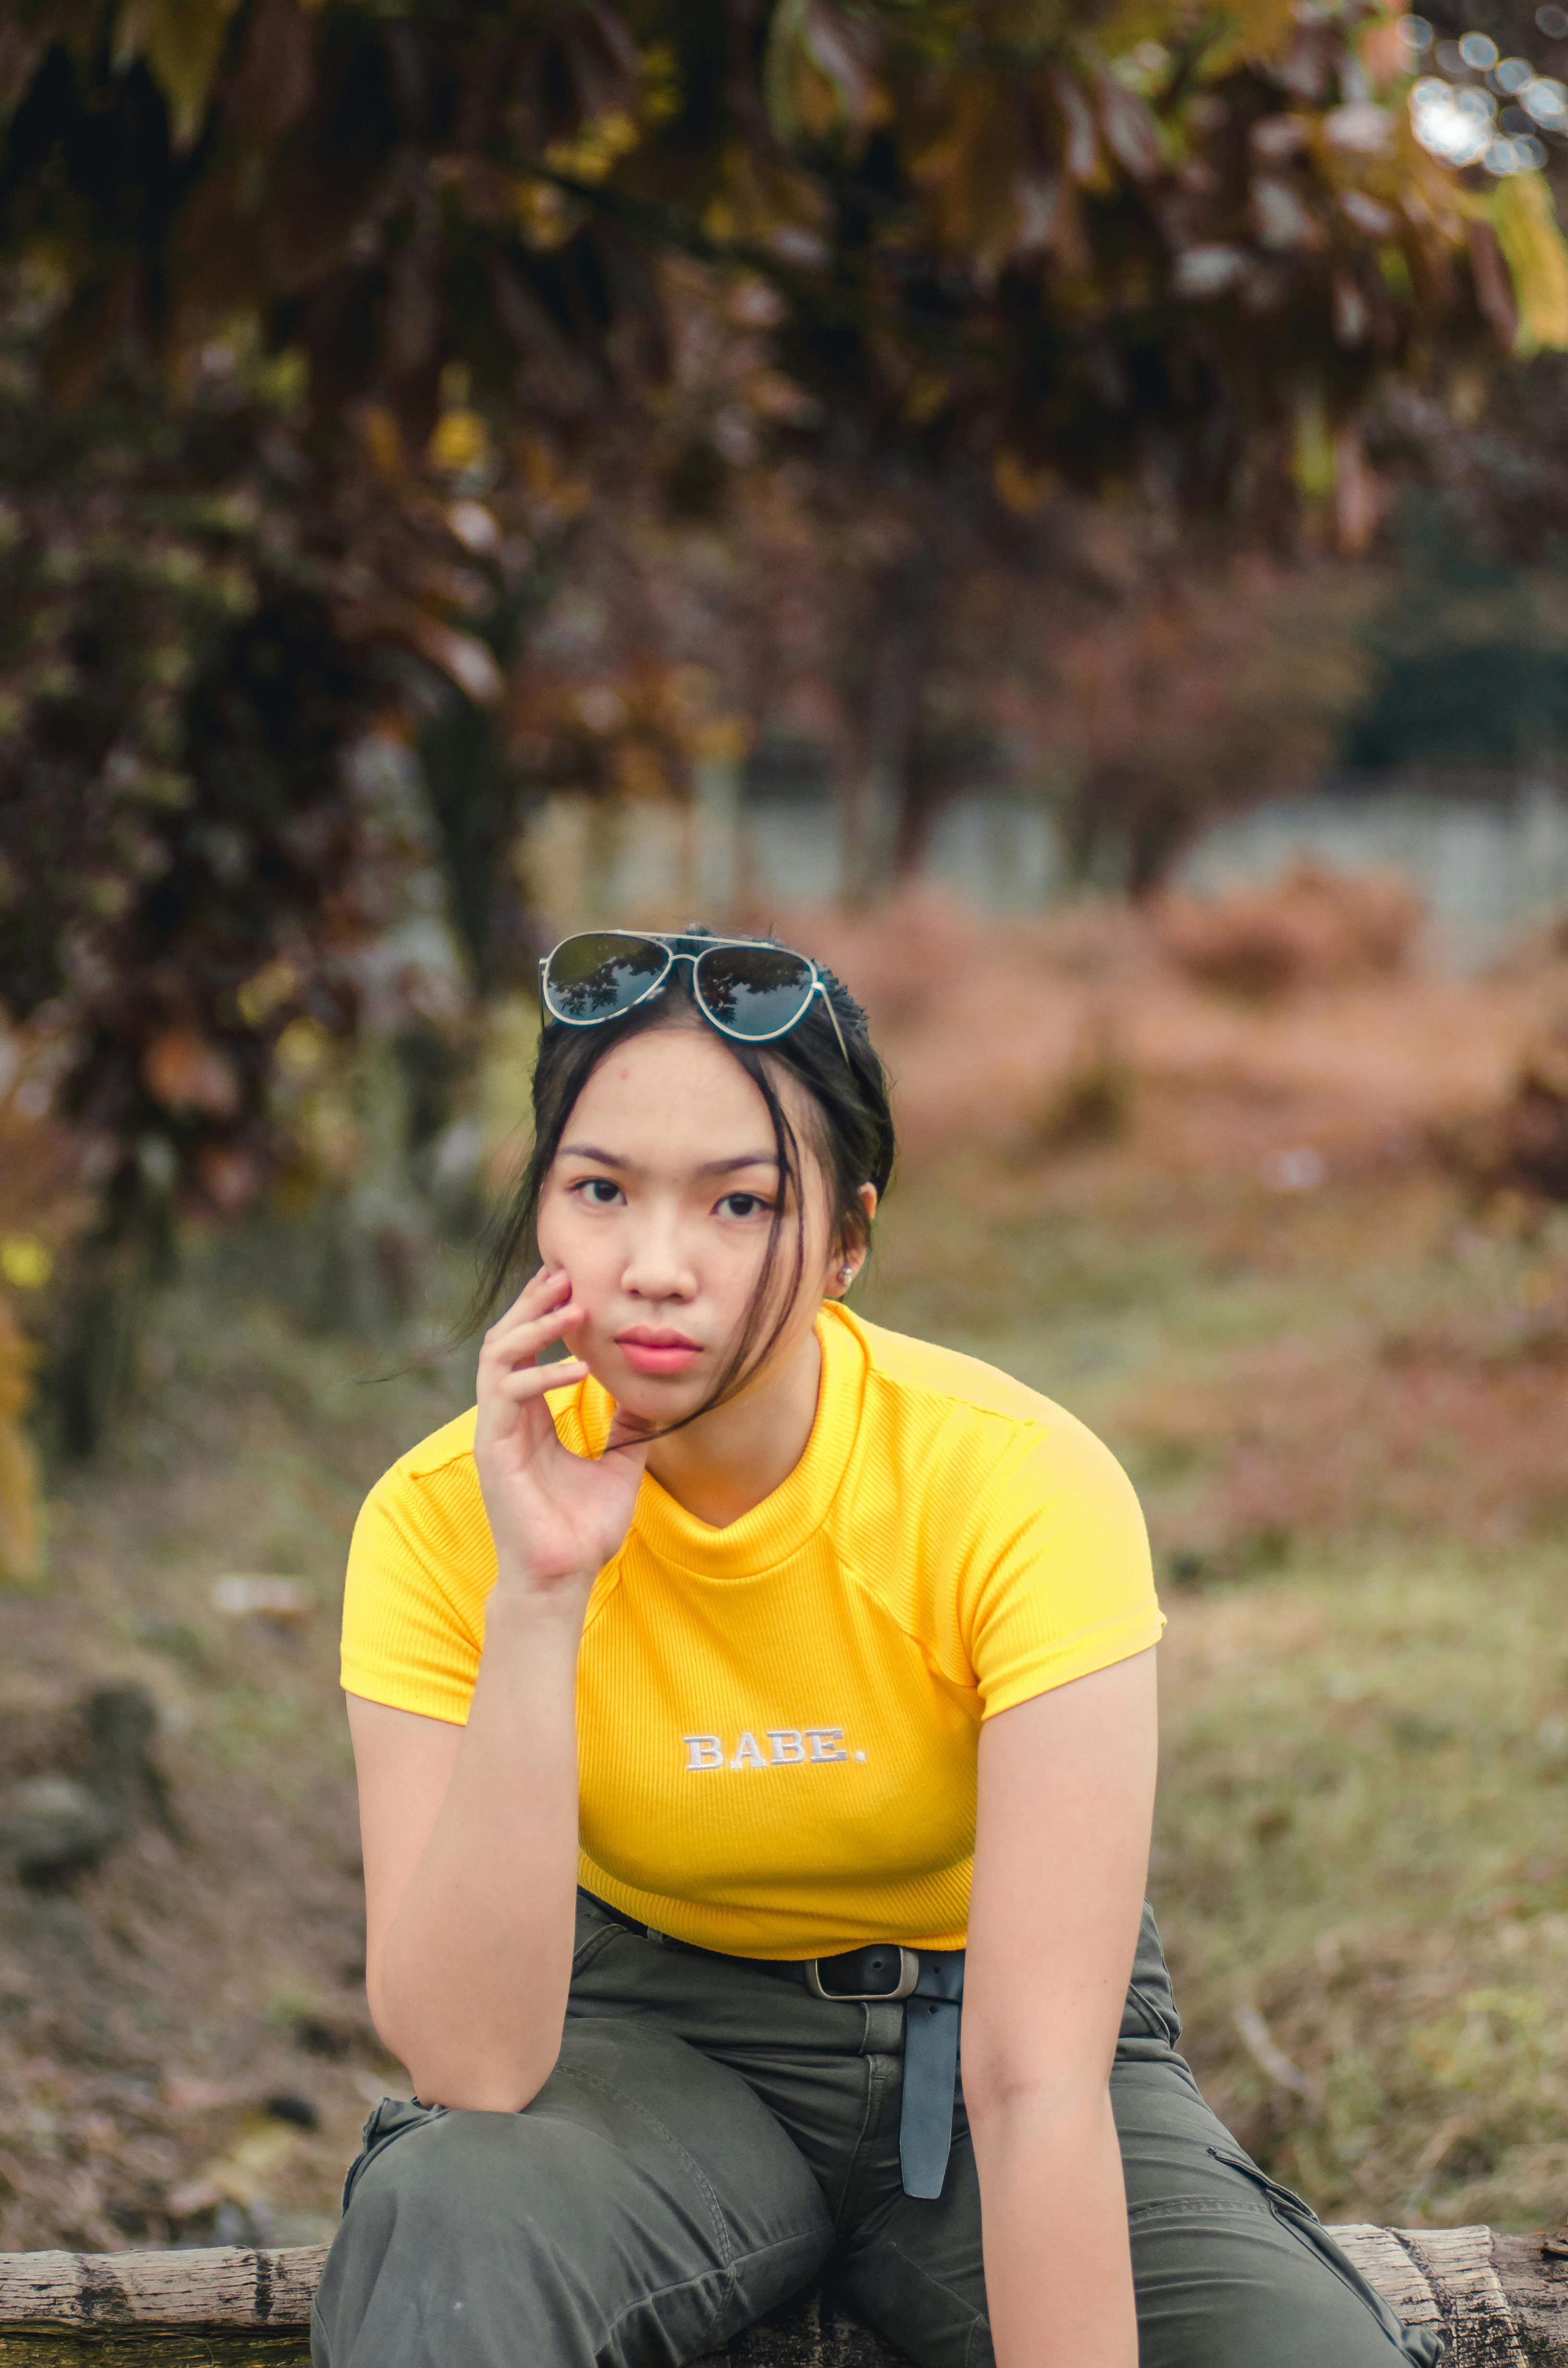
(470, 2080)
(475, 2086)
(477, 2092)
(1007, 2088)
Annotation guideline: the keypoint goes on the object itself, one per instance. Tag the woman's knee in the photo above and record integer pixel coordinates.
(581, 2230)
(1230, 2266)
(458, 2178)
(465, 2236)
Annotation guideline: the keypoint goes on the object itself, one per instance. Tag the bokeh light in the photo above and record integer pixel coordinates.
(1456, 118)
(1457, 125)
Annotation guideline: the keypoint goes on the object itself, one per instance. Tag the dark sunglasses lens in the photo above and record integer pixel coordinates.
(597, 976)
(754, 991)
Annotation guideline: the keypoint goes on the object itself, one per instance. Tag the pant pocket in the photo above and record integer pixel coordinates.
(1150, 2008)
(1423, 2347)
(392, 2118)
(594, 1932)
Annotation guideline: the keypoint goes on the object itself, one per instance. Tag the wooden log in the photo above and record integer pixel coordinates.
(1502, 2301)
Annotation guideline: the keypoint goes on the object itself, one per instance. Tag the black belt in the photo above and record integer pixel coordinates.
(930, 1985)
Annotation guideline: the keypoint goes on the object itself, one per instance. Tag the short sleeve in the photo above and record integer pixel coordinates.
(1058, 1579)
(420, 1566)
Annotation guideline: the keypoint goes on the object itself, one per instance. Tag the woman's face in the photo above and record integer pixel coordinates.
(658, 1206)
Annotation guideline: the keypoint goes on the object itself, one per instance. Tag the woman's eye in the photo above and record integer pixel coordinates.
(741, 1204)
(599, 1191)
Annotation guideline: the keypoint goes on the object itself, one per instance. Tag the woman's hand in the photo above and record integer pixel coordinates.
(556, 1518)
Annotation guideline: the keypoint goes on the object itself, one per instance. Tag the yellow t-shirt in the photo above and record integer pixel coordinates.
(778, 1721)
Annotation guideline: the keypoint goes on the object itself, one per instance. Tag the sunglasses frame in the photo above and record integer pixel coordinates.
(677, 947)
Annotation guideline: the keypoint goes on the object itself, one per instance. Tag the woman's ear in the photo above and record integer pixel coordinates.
(849, 1261)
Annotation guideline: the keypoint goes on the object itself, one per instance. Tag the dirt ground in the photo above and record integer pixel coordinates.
(1228, 1229)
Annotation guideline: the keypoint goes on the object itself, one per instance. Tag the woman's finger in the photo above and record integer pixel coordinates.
(540, 1288)
(524, 1340)
(524, 1320)
(537, 1294)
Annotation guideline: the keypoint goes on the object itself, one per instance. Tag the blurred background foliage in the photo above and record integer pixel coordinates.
(357, 360)
(464, 472)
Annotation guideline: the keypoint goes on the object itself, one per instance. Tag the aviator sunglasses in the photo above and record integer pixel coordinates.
(751, 992)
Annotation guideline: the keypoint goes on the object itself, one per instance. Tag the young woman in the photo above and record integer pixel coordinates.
(731, 1701)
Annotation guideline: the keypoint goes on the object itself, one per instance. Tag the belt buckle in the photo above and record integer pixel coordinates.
(908, 1974)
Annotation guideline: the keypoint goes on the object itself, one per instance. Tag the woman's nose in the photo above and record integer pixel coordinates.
(657, 1267)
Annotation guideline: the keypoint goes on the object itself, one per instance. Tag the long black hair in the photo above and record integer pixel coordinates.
(851, 1119)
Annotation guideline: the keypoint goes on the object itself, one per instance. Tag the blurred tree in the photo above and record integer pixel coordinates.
(1469, 650)
(1185, 689)
(1112, 238)
(1002, 244)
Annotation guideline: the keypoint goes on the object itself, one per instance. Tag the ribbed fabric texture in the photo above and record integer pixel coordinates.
(778, 1721)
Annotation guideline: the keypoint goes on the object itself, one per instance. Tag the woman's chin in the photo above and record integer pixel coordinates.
(655, 1399)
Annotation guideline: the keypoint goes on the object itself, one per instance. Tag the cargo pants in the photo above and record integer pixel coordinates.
(713, 2139)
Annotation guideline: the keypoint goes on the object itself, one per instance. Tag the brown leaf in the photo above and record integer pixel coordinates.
(1352, 313)
(1361, 128)
(1274, 138)
(21, 47)
(1370, 218)
(462, 658)
(414, 310)
(602, 62)
(1281, 218)
(1493, 288)
(474, 527)
(1359, 495)
(1038, 196)
(243, 1596)
(1206, 271)
(277, 75)
(835, 47)
(182, 42)
(1082, 148)
(970, 172)
(228, 1177)
(243, 2175)
(1129, 129)
(183, 1072)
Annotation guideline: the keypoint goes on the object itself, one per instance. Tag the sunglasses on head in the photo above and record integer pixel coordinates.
(752, 993)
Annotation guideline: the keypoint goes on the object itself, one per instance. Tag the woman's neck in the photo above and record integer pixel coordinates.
(730, 1460)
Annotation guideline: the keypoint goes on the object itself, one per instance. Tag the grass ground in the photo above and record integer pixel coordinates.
(1342, 1395)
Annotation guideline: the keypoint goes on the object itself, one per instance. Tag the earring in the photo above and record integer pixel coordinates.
(846, 1276)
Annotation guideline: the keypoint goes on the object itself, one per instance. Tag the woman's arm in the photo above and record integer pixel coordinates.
(469, 1833)
(1062, 1849)
(469, 1841)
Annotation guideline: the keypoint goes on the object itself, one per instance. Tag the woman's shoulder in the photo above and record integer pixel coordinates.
(443, 1450)
(947, 1381)
(440, 1467)
(948, 1410)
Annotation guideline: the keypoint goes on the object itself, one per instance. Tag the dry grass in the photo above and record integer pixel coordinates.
(1339, 1386)
(1361, 1838)
(148, 2014)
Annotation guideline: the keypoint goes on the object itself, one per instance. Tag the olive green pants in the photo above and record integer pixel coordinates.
(713, 2139)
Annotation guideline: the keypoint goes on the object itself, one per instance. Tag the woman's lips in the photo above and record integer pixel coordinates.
(658, 1353)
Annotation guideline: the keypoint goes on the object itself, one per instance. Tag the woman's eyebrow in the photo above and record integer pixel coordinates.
(601, 1159)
